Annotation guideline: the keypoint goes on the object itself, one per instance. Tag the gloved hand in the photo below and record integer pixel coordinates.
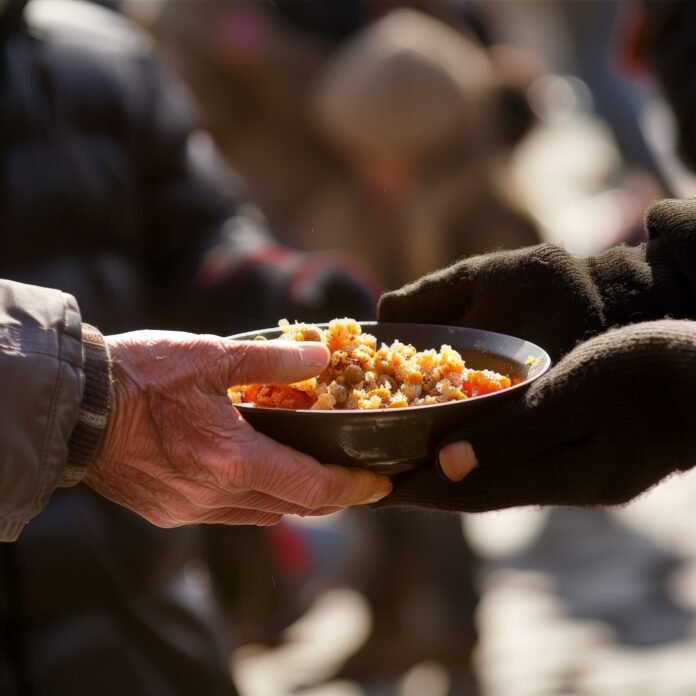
(613, 418)
(547, 296)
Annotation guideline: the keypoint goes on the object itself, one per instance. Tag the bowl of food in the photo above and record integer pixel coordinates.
(392, 391)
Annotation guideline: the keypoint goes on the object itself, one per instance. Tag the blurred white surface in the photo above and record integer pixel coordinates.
(634, 566)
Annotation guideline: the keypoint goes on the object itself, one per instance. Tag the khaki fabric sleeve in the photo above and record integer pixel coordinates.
(41, 373)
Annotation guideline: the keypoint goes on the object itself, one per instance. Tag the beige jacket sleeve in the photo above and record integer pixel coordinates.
(42, 383)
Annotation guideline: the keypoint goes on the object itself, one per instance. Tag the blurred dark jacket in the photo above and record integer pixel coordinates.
(105, 193)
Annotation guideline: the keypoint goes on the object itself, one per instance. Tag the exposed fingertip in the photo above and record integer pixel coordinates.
(456, 460)
(384, 489)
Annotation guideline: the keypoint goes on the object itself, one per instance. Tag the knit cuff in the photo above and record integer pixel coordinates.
(94, 410)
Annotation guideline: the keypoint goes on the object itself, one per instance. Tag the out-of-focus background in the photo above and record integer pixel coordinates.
(402, 136)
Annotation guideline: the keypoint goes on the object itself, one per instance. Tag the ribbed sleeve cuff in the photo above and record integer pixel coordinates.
(94, 410)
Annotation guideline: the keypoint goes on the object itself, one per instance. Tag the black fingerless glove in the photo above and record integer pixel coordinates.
(613, 418)
(547, 296)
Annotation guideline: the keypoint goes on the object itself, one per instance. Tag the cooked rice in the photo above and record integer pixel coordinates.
(364, 375)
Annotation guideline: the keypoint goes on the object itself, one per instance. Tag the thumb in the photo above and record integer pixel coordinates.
(417, 301)
(269, 362)
(436, 297)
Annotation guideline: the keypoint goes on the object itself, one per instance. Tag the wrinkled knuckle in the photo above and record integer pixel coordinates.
(235, 359)
(206, 497)
(239, 473)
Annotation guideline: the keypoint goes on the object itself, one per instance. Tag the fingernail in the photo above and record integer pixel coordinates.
(384, 491)
(313, 354)
(457, 460)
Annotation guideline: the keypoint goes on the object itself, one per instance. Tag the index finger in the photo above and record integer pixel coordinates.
(419, 300)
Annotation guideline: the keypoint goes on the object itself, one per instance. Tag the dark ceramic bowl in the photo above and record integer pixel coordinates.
(394, 440)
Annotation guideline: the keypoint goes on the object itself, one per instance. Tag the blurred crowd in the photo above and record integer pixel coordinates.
(290, 159)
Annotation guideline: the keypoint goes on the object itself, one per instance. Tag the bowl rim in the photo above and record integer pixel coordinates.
(545, 358)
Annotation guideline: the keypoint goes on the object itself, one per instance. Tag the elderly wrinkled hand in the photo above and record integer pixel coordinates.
(177, 452)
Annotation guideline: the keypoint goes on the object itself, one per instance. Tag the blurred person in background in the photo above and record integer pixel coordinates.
(617, 99)
(426, 124)
(106, 193)
(252, 66)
